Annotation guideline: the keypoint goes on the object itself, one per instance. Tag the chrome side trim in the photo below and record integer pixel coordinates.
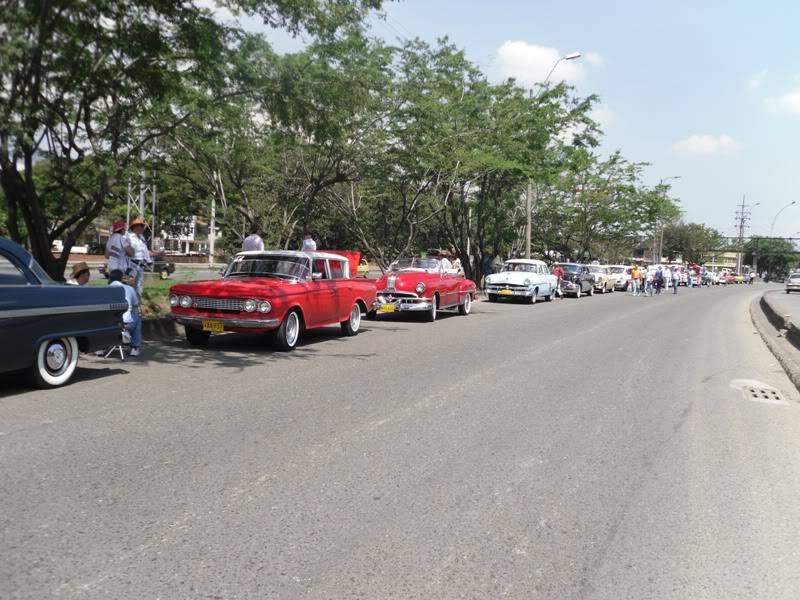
(239, 323)
(10, 313)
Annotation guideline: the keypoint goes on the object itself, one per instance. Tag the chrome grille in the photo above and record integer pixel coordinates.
(224, 304)
(394, 294)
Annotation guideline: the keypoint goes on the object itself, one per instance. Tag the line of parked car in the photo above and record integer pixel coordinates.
(44, 324)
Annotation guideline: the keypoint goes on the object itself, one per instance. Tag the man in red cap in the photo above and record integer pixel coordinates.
(118, 248)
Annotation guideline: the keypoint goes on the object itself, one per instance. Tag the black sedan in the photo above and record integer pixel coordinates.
(577, 280)
(164, 268)
(44, 324)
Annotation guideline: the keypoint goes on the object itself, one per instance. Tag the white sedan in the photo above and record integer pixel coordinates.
(522, 278)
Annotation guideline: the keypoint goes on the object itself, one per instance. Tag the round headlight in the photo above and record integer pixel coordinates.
(420, 287)
(250, 305)
(264, 306)
(186, 301)
(527, 282)
(173, 300)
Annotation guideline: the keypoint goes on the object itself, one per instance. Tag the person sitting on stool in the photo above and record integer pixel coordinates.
(132, 317)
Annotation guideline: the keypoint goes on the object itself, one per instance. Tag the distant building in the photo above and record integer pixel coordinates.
(721, 260)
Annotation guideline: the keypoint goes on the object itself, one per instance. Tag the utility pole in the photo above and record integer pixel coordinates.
(743, 213)
(528, 221)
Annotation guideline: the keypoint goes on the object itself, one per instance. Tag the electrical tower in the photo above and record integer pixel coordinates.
(743, 213)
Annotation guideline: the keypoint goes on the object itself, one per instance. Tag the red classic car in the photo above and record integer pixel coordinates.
(421, 285)
(280, 292)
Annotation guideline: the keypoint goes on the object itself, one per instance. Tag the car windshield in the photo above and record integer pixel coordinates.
(281, 266)
(420, 264)
(514, 266)
(617, 270)
(794, 276)
(571, 268)
(597, 270)
(40, 273)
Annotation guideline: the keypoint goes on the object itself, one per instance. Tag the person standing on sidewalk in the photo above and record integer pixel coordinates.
(676, 280)
(141, 253)
(118, 249)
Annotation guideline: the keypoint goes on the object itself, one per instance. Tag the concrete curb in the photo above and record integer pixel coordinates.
(159, 329)
(770, 327)
(780, 320)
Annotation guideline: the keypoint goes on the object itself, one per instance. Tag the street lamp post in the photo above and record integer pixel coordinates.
(571, 56)
(772, 227)
(661, 224)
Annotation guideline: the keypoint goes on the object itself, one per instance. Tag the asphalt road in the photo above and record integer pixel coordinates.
(595, 449)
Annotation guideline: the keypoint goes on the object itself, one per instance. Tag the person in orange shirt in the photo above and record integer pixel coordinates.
(635, 274)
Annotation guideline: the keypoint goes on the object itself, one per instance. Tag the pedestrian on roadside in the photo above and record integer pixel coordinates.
(668, 277)
(676, 279)
(648, 283)
(140, 258)
(689, 276)
(659, 279)
(253, 242)
(635, 280)
(80, 274)
(309, 245)
(118, 249)
(131, 318)
(559, 273)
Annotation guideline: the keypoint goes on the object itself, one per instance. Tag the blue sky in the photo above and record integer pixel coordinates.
(708, 90)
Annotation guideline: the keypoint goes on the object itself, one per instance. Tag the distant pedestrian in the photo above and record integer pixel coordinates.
(559, 273)
(668, 277)
(648, 282)
(659, 280)
(635, 280)
(80, 274)
(309, 245)
(676, 280)
(253, 242)
(689, 277)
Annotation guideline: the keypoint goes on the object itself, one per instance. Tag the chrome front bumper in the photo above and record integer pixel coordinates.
(404, 304)
(501, 290)
(232, 322)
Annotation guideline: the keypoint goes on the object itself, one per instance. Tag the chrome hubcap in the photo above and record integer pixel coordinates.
(292, 329)
(355, 318)
(56, 356)
(467, 303)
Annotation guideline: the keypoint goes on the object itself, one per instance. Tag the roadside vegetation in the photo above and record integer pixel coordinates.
(387, 148)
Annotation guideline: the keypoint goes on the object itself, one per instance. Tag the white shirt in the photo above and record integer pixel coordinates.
(130, 297)
(117, 257)
(253, 242)
(446, 264)
(309, 245)
(140, 250)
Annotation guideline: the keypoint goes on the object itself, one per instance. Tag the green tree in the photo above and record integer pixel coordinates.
(91, 86)
(691, 241)
(775, 255)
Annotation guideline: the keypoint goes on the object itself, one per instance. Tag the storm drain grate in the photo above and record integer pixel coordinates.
(764, 394)
(758, 391)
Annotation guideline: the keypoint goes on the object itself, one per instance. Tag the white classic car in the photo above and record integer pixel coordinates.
(522, 278)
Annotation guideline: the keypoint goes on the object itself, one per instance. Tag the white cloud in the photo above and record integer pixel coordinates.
(756, 80)
(707, 144)
(530, 64)
(788, 103)
(602, 116)
(593, 58)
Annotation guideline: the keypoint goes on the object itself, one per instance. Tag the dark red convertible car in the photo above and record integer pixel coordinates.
(276, 292)
(422, 285)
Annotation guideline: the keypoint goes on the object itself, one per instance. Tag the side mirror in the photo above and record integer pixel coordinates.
(316, 276)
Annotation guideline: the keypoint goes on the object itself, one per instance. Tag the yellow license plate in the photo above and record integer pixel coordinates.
(506, 293)
(213, 326)
(386, 308)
